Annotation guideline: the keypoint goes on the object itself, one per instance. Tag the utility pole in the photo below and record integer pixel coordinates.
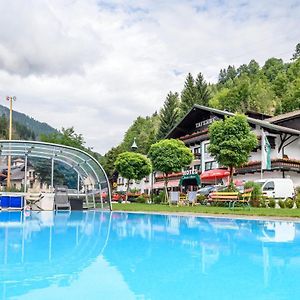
(10, 99)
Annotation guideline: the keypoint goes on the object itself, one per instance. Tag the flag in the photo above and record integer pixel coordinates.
(265, 152)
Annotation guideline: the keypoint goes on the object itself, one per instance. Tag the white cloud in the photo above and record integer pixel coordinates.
(97, 65)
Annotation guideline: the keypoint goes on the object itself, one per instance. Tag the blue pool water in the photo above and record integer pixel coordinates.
(102, 255)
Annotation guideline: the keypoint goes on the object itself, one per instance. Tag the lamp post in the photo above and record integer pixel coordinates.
(134, 145)
(10, 99)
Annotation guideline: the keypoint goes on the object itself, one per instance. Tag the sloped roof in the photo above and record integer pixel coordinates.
(263, 123)
(283, 117)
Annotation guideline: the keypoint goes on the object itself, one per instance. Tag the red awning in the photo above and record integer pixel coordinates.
(214, 174)
(161, 184)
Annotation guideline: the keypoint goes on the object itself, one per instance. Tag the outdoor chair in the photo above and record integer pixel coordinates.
(33, 200)
(174, 198)
(192, 197)
(61, 199)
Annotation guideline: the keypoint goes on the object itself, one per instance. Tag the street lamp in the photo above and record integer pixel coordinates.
(134, 145)
(10, 99)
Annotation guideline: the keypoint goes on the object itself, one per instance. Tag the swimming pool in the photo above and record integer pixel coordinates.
(103, 255)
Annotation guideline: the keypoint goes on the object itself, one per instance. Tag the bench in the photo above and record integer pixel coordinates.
(232, 197)
(245, 197)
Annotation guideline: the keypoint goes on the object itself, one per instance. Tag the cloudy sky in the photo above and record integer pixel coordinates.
(97, 65)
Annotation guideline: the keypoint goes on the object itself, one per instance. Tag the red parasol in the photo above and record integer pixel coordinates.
(214, 174)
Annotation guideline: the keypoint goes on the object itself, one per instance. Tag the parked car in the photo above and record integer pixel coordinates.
(279, 188)
(206, 190)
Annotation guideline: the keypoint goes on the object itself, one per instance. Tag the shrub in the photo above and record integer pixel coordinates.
(201, 199)
(262, 202)
(272, 203)
(156, 199)
(297, 190)
(298, 202)
(281, 203)
(141, 199)
(289, 203)
(134, 191)
(162, 196)
(256, 194)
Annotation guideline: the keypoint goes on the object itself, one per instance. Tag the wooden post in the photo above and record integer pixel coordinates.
(10, 99)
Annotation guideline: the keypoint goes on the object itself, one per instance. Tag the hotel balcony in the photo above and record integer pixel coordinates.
(283, 164)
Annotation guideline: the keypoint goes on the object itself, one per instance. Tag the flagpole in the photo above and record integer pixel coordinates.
(262, 151)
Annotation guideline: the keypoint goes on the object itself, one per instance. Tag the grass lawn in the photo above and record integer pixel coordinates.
(295, 213)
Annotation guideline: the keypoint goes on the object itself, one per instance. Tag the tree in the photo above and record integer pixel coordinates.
(272, 67)
(188, 95)
(132, 166)
(292, 100)
(168, 115)
(237, 97)
(145, 132)
(296, 55)
(169, 156)
(219, 98)
(226, 75)
(108, 162)
(202, 91)
(222, 76)
(262, 97)
(253, 68)
(231, 72)
(231, 142)
(67, 137)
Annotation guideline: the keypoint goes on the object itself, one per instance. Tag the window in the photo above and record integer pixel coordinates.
(269, 186)
(205, 147)
(197, 167)
(209, 165)
(197, 152)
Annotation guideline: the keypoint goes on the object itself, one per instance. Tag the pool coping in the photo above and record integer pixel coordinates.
(221, 216)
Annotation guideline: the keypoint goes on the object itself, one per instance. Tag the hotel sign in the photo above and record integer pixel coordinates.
(189, 172)
(206, 122)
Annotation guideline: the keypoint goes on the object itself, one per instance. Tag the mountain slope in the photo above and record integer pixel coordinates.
(37, 127)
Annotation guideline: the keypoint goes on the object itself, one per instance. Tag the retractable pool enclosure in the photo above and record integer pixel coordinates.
(91, 176)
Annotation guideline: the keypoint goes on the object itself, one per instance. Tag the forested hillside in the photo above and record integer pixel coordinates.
(35, 126)
(272, 88)
(20, 132)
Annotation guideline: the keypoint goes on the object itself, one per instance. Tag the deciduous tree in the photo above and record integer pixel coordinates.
(231, 142)
(132, 166)
(168, 156)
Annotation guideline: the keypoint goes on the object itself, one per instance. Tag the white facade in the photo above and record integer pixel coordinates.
(142, 186)
(284, 141)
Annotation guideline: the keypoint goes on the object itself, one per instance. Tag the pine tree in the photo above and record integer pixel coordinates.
(296, 55)
(222, 76)
(169, 115)
(202, 91)
(188, 95)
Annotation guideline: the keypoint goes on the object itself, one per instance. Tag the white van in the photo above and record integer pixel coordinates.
(279, 188)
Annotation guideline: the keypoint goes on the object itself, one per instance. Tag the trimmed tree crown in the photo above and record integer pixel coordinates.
(170, 156)
(231, 141)
(133, 165)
